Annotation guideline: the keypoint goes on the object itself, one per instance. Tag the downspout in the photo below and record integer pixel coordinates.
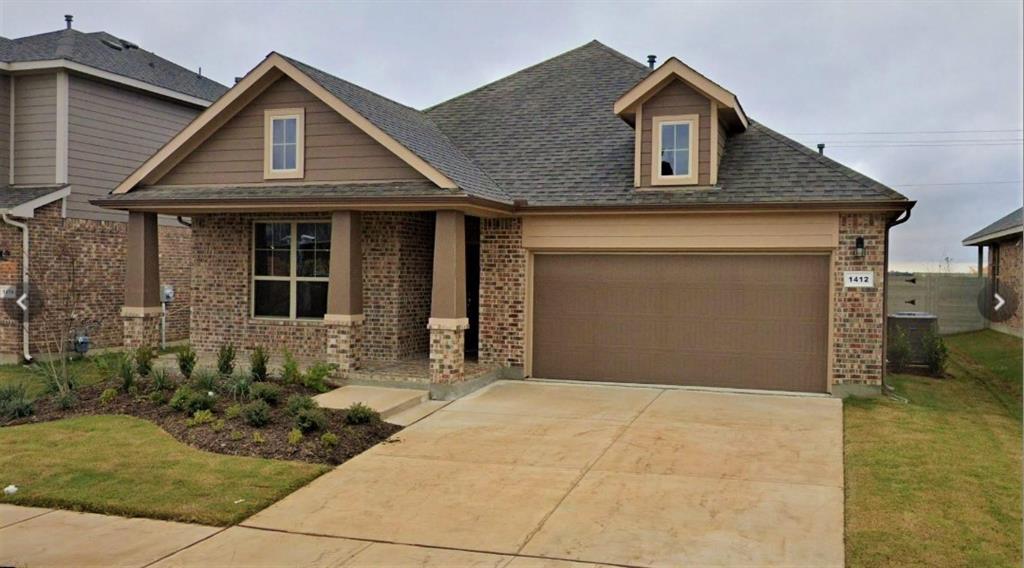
(903, 218)
(24, 282)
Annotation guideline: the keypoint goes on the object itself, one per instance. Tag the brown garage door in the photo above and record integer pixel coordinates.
(742, 321)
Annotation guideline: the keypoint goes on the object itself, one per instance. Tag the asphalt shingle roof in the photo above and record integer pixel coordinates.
(1013, 220)
(13, 196)
(286, 192)
(95, 50)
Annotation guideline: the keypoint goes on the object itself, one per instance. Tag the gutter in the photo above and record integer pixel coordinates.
(24, 282)
(903, 218)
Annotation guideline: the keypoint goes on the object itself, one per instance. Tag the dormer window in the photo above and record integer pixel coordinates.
(675, 150)
(283, 143)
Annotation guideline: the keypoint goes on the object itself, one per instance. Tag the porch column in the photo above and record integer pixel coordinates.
(141, 311)
(448, 321)
(344, 317)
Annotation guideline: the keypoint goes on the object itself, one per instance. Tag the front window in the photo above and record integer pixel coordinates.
(283, 141)
(291, 263)
(675, 150)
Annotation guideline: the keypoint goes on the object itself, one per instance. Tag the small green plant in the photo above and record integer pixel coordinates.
(199, 418)
(295, 437)
(60, 380)
(310, 419)
(256, 414)
(266, 391)
(290, 372)
(187, 400)
(226, 359)
(258, 360)
(359, 413)
(298, 402)
(207, 380)
(899, 351)
(108, 396)
(14, 402)
(124, 369)
(258, 438)
(160, 379)
(233, 411)
(328, 440)
(158, 397)
(187, 361)
(239, 386)
(936, 354)
(144, 356)
(316, 376)
(235, 435)
(217, 425)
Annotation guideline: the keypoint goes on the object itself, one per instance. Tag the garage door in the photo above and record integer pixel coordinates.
(726, 320)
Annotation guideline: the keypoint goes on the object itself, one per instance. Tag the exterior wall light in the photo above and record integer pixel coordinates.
(858, 246)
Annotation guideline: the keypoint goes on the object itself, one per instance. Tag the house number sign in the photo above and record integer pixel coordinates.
(859, 279)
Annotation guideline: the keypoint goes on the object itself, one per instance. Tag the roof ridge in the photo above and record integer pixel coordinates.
(850, 173)
(618, 53)
(356, 85)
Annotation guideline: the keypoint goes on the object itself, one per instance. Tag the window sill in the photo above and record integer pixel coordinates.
(287, 322)
(680, 187)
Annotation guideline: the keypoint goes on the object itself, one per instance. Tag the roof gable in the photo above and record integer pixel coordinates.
(1009, 225)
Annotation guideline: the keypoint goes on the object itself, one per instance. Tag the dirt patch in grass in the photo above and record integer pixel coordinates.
(231, 436)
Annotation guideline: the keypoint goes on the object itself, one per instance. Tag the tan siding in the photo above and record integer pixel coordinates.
(111, 131)
(336, 150)
(35, 129)
(677, 98)
(5, 128)
(753, 231)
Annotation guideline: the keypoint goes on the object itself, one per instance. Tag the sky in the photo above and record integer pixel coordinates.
(872, 80)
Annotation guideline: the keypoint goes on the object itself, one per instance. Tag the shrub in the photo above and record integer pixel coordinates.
(217, 425)
(60, 381)
(258, 438)
(158, 397)
(207, 380)
(124, 368)
(899, 351)
(187, 361)
(258, 360)
(161, 380)
(66, 399)
(108, 396)
(310, 419)
(290, 369)
(329, 440)
(239, 386)
(186, 399)
(268, 392)
(295, 436)
(359, 413)
(316, 376)
(226, 359)
(233, 411)
(297, 402)
(256, 413)
(200, 417)
(144, 356)
(14, 402)
(235, 435)
(935, 353)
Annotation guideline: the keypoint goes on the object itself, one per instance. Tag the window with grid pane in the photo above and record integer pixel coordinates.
(284, 143)
(291, 266)
(675, 149)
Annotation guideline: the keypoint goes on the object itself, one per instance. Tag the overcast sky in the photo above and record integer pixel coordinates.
(825, 67)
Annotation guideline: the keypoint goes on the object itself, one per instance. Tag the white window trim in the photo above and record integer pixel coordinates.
(293, 278)
(656, 123)
(299, 114)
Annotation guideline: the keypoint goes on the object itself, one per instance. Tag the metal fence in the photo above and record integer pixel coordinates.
(952, 297)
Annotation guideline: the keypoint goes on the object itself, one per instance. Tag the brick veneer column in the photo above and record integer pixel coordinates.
(142, 309)
(858, 318)
(344, 318)
(448, 322)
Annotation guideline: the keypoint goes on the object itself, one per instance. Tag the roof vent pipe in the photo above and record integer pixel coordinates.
(650, 60)
(67, 20)
(821, 149)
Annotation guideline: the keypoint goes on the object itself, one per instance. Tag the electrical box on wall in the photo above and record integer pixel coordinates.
(167, 294)
(8, 292)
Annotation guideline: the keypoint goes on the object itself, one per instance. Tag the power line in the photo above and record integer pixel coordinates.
(887, 132)
(947, 141)
(1016, 182)
(923, 145)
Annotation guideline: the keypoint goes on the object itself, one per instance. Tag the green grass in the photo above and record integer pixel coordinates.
(936, 481)
(89, 372)
(127, 466)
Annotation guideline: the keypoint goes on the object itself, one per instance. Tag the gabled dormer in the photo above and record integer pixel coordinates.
(682, 120)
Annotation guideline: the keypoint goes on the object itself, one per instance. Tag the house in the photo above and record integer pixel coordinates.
(1004, 240)
(586, 218)
(79, 112)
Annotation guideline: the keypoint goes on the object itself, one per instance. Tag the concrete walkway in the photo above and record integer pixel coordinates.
(531, 474)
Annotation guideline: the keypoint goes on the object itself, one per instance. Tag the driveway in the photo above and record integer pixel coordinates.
(523, 472)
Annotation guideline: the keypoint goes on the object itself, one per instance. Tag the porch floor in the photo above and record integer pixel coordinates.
(415, 369)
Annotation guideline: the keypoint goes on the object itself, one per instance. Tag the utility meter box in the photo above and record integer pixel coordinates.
(8, 292)
(167, 294)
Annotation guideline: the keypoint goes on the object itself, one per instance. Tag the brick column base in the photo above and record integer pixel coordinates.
(345, 344)
(141, 329)
(447, 351)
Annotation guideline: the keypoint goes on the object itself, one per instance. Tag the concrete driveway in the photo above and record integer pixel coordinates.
(526, 473)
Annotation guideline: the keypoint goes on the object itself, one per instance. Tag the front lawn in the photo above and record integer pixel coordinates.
(127, 466)
(89, 371)
(936, 481)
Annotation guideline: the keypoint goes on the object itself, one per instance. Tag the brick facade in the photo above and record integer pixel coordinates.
(447, 354)
(397, 265)
(1009, 278)
(76, 266)
(502, 293)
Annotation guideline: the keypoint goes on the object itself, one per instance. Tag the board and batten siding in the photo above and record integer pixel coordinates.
(691, 232)
(111, 132)
(35, 129)
(674, 99)
(5, 128)
(335, 149)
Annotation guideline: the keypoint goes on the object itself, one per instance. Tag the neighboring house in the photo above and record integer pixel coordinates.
(1004, 240)
(79, 112)
(586, 218)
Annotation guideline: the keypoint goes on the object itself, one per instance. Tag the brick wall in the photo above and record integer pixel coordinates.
(1009, 277)
(397, 261)
(77, 267)
(858, 318)
(502, 292)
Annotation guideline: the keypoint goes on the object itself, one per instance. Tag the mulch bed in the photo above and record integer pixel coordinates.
(234, 437)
